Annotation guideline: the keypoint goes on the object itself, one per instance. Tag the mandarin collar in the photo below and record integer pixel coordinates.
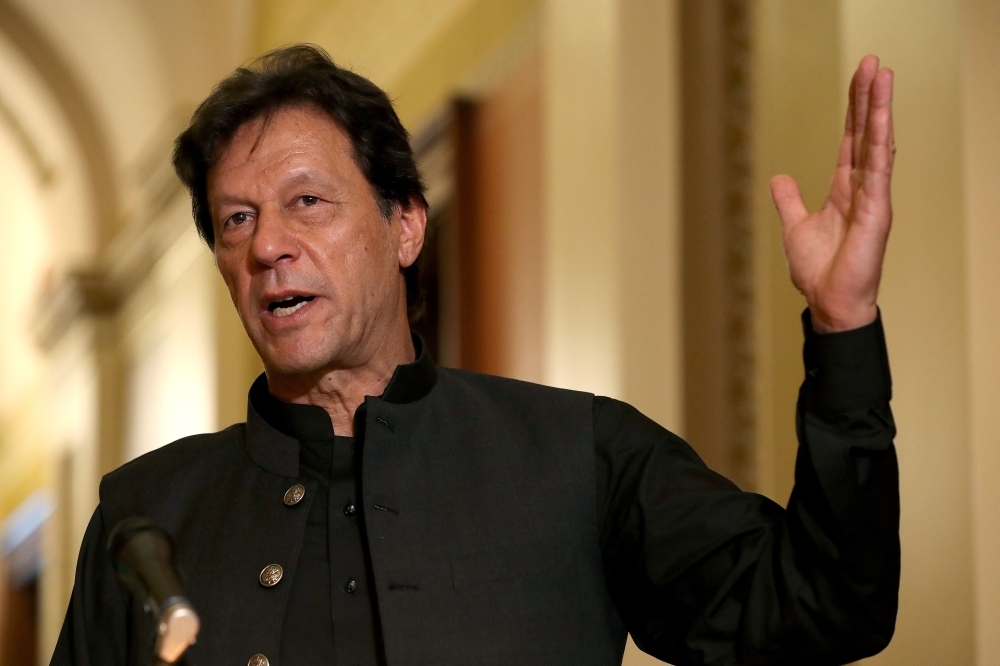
(412, 381)
(305, 423)
(275, 427)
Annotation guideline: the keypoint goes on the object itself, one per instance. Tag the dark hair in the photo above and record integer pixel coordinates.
(304, 74)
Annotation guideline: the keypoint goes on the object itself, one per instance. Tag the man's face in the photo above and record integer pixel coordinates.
(311, 264)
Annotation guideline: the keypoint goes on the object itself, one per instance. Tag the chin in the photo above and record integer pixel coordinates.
(318, 346)
(299, 357)
(290, 363)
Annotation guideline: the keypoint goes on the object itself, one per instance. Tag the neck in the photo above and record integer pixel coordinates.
(341, 390)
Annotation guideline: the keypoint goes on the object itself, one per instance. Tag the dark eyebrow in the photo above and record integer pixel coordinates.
(307, 177)
(229, 200)
(304, 177)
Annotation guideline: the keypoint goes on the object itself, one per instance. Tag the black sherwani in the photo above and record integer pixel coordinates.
(520, 524)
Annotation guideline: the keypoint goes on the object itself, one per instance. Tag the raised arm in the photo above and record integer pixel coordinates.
(702, 573)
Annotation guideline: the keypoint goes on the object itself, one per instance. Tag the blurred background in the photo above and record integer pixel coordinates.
(598, 184)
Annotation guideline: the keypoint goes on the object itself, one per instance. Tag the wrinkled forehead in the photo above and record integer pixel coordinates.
(284, 125)
(280, 139)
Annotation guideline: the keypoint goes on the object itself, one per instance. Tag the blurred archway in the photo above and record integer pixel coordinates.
(54, 182)
(109, 345)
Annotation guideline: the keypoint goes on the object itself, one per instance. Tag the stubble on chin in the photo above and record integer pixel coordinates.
(322, 348)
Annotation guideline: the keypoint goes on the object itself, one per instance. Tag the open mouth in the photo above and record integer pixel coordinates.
(289, 305)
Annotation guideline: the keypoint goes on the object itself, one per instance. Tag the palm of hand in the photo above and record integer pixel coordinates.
(835, 254)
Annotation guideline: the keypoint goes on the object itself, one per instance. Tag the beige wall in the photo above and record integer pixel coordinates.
(940, 295)
(612, 202)
(798, 117)
(980, 100)
(422, 52)
(581, 181)
(925, 307)
(649, 209)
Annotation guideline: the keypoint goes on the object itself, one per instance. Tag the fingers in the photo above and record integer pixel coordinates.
(846, 155)
(880, 143)
(881, 107)
(845, 158)
(861, 94)
(788, 199)
(881, 100)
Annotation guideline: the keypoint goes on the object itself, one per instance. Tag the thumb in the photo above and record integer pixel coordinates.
(788, 199)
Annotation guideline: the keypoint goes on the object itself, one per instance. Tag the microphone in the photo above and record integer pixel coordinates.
(142, 553)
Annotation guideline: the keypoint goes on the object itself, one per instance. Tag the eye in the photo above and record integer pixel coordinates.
(237, 219)
(309, 200)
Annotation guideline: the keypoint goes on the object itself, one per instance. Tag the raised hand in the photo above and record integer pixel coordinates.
(835, 255)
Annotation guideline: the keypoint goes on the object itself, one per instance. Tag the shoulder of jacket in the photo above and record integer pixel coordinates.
(505, 397)
(178, 457)
(506, 385)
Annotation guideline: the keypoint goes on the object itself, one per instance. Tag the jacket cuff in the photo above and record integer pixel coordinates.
(847, 370)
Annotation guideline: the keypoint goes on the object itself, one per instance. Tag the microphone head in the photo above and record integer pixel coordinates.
(122, 533)
(142, 553)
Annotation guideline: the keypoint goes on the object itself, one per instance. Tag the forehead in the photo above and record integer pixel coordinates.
(291, 137)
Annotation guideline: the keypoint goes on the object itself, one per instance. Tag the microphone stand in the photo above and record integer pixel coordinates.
(143, 557)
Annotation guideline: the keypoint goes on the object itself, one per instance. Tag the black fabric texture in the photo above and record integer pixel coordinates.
(845, 371)
(703, 573)
(519, 524)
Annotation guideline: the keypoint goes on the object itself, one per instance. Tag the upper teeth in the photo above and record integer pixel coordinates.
(284, 312)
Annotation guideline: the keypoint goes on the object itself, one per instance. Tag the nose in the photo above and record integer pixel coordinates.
(273, 240)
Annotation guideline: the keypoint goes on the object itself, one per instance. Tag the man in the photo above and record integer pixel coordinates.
(376, 509)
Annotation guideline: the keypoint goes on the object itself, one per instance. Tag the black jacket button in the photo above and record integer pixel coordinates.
(350, 509)
(351, 586)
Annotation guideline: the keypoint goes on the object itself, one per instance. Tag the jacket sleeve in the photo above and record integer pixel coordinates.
(96, 629)
(703, 573)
